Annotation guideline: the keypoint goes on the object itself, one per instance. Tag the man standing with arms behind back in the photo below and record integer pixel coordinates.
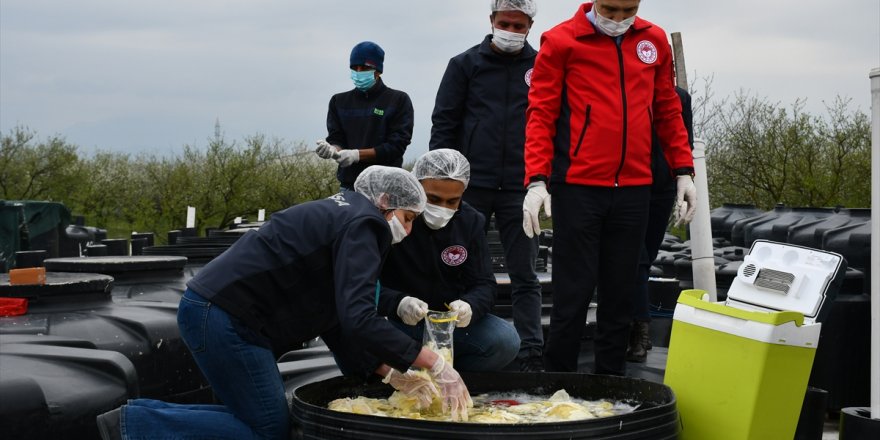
(480, 111)
(602, 81)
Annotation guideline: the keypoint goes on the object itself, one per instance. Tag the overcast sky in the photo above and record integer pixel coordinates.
(151, 76)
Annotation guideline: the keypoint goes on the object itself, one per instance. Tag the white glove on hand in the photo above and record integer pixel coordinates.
(413, 385)
(325, 150)
(347, 157)
(536, 197)
(464, 312)
(411, 310)
(454, 392)
(685, 200)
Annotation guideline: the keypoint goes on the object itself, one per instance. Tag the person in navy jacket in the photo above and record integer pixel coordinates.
(370, 124)
(445, 260)
(480, 111)
(310, 271)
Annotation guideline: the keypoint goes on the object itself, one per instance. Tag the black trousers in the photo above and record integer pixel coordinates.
(598, 233)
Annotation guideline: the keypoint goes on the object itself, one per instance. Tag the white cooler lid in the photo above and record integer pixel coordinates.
(778, 276)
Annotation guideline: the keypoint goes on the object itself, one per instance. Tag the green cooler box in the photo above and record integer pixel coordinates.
(739, 369)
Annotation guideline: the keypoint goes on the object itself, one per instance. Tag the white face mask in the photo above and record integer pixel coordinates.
(398, 232)
(437, 217)
(613, 28)
(508, 42)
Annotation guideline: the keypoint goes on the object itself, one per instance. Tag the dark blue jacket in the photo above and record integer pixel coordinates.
(380, 118)
(311, 271)
(441, 266)
(481, 111)
(663, 179)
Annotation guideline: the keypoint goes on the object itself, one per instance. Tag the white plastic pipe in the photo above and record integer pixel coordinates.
(703, 260)
(875, 244)
(190, 217)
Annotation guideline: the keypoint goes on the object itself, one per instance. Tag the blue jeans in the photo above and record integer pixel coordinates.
(520, 253)
(243, 376)
(488, 344)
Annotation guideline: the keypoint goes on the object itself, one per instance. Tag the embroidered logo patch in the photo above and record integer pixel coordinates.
(378, 111)
(647, 52)
(454, 255)
(528, 77)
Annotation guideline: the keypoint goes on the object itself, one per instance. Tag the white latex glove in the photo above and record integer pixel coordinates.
(325, 150)
(347, 157)
(413, 385)
(535, 198)
(464, 312)
(685, 200)
(454, 392)
(411, 310)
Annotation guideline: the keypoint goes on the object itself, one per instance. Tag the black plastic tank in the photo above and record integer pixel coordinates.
(143, 278)
(117, 247)
(777, 229)
(669, 240)
(743, 226)
(724, 276)
(853, 241)
(656, 417)
(54, 387)
(724, 217)
(843, 357)
(809, 234)
(79, 306)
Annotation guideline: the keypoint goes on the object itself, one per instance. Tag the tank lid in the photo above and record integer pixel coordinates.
(116, 264)
(59, 284)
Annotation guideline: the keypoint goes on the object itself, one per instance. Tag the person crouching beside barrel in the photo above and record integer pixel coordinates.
(445, 261)
(310, 271)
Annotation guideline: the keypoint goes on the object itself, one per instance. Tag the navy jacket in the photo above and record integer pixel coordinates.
(441, 266)
(481, 111)
(380, 118)
(663, 179)
(311, 271)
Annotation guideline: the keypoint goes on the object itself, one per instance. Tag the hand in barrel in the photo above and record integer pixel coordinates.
(456, 397)
(413, 384)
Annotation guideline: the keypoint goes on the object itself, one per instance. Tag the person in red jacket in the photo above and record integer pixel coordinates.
(602, 82)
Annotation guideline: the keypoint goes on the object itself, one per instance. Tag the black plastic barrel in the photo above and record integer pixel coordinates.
(856, 423)
(54, 387)
(148, 236)
(137, 245)
(96, 250)
(79, 305)
(117, 247)
(843, 358)
(655, 418)
(25, 259)
(811, 423)
(724, 217)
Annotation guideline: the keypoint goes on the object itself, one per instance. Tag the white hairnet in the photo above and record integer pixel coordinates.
(391, 188)
(444, 163)
(527, 7)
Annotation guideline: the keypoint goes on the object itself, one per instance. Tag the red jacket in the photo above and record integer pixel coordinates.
(593, 105)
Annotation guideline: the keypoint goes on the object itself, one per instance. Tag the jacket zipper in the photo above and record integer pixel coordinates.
(504, 135)
(625, 116)
(584, 129)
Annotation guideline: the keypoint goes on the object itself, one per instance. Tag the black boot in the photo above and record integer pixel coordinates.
(637, 351)
(108, 424)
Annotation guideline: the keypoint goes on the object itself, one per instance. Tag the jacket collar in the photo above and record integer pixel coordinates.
(583, 27)
(486, 50)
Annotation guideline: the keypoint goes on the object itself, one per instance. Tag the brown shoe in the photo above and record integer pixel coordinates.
(637, 351)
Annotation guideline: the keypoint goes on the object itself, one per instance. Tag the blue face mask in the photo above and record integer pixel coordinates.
(363, 80)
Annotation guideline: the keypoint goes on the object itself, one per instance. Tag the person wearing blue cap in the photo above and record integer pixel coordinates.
(371, 124)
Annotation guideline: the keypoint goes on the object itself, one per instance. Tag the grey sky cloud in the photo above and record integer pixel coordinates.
(152, 76)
